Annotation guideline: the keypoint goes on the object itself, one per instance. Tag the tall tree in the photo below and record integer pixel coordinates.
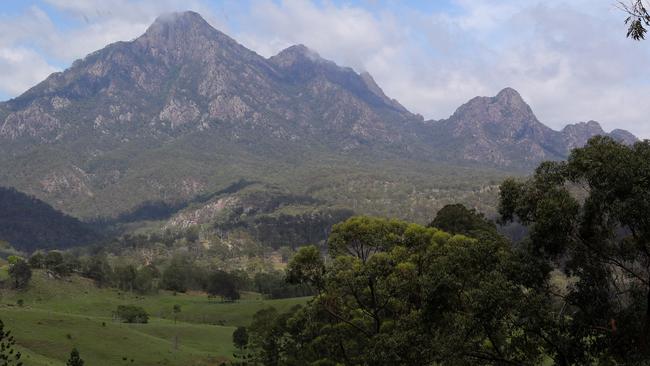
(98, 269)
(54, 262)
(458, 219)
(588, 217)
(240, 340)
(176, 277)
(400, 293)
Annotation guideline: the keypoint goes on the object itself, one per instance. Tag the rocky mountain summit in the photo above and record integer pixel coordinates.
(503, 130)
(184, 109)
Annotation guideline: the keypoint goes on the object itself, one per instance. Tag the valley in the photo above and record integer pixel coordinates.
(177, 198)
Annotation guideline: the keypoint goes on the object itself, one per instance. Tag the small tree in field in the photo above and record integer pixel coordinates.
(75, 359)
(8, 355)
(20, 274)
(177, 310)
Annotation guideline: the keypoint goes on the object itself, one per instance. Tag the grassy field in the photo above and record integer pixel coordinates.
(57, 315)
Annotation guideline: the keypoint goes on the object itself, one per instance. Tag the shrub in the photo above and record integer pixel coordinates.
(132, 314)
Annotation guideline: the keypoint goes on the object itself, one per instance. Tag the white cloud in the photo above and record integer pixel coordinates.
(569, 59)
(21, 69)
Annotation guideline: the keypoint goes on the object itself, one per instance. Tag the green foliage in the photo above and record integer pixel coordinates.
(37, 260)
(146, 279)
(30, 224)
(364, 236)
(6, 250)
(176, 276)
(457, 219)
(400, 293)
(56, 264)
(20, 274)
(132, 314)
(275, 285)
(13, 259)
(126, 277)
(307, 266)
(240, 337)
(9, 356)
(221, 283)
(588, 217)
(97, 268)
(75, 359)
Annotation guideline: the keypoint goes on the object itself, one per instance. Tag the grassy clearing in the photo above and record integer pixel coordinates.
(60, 314)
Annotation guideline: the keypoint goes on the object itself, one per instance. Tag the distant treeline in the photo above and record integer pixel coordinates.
(181, 274)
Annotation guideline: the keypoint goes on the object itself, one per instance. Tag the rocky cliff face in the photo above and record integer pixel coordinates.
(184, 108)
(183, 75)
(504, 131)
(577, 135)
(501, 130)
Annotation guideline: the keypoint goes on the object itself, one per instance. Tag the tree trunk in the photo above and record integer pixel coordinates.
(646, 325)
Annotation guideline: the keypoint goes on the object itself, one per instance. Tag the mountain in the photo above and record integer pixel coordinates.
(503, 131)
(183, 111)
(182, 76)
(28, 224)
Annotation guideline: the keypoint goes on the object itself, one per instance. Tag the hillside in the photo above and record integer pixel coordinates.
(28, 224)
(60, 314)
(184, 111)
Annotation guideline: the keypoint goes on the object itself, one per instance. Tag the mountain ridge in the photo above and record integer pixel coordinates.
(184, 109)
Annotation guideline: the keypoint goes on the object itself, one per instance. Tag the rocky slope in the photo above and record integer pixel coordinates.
(182, 75)
(503, 131)
(185, 110)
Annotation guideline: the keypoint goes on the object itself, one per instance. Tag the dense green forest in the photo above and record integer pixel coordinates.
(28, 224)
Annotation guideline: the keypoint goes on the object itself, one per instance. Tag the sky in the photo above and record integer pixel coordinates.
(569, 59)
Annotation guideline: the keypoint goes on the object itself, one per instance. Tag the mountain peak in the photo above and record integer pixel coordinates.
(590, 127)
(182, 26)
(492, 123)
(178, 20)
(506, 105)
(578, 134)
(177, 37)
(296, 54)
(623, 136)
(509, 96)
